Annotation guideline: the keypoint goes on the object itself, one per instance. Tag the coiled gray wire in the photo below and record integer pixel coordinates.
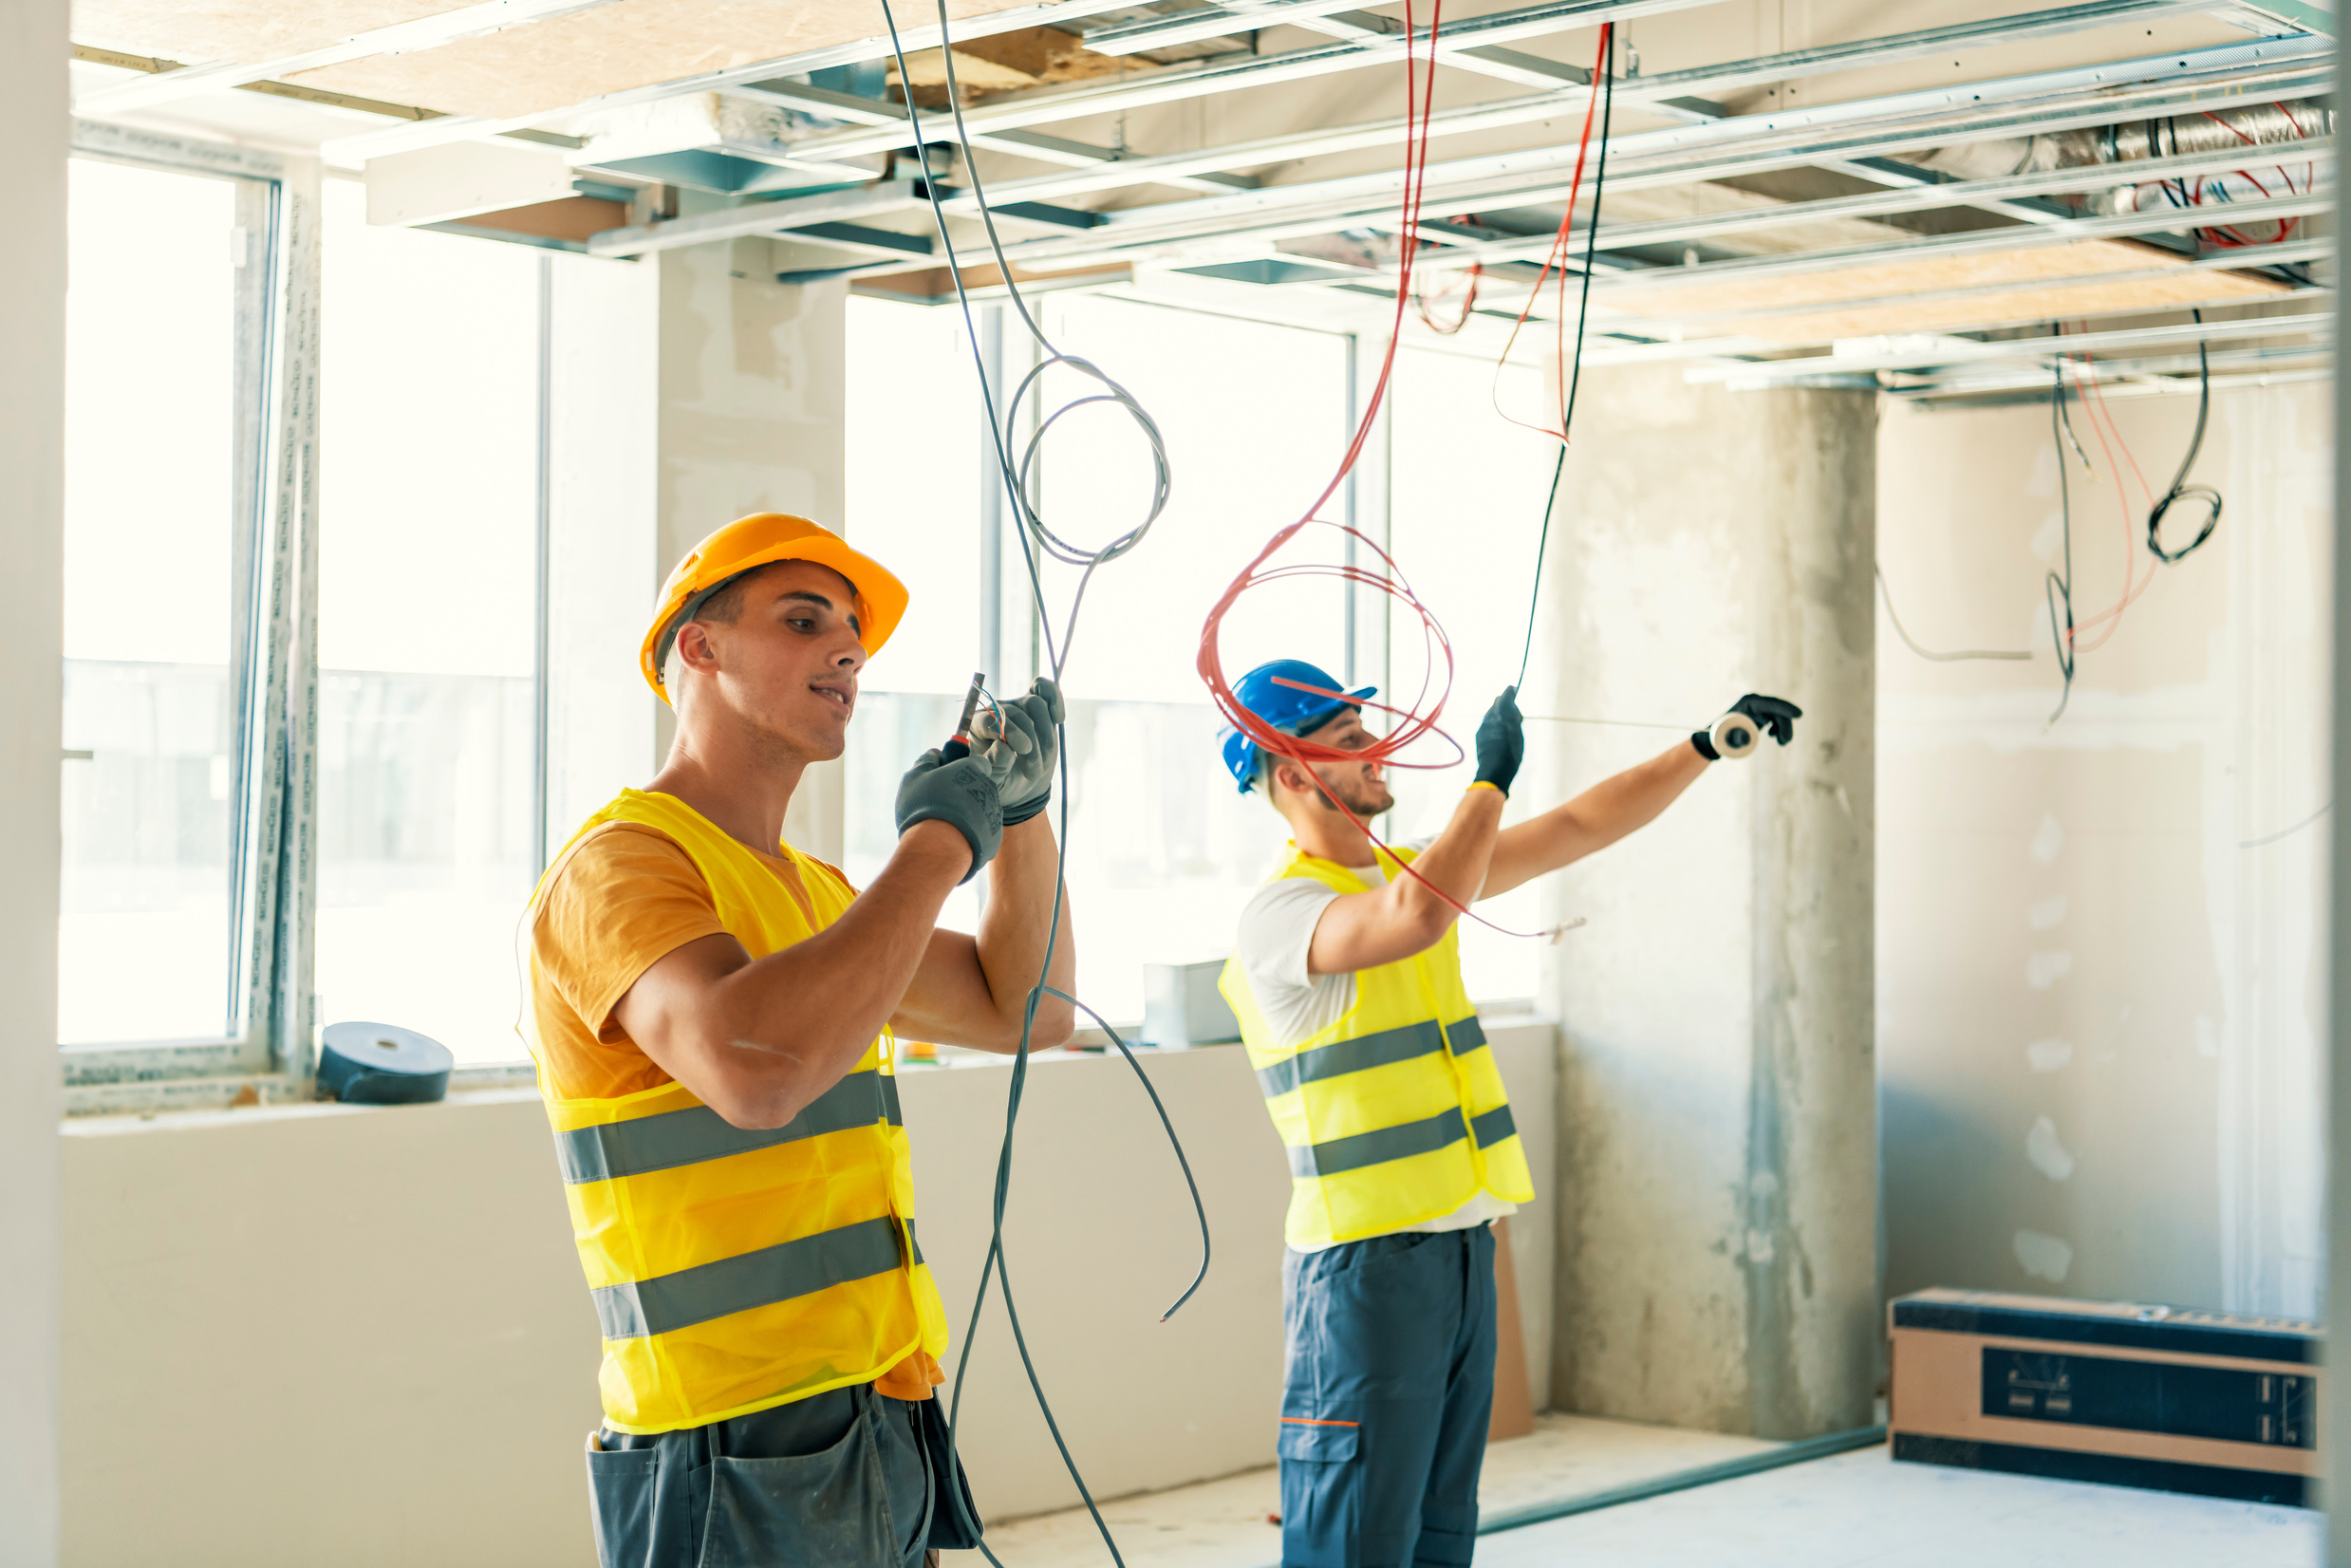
(1020, 482)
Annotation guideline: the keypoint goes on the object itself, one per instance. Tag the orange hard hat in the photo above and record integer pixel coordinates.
(749, 543)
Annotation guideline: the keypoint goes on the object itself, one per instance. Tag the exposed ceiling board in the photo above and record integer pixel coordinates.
(1893, 276)
(569, 60)
(2060, 302)
(249, 31)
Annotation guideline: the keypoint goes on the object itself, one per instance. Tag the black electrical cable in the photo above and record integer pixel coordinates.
(1018, 482)
(2058, 591)
(2181, 489)
(1575, 368)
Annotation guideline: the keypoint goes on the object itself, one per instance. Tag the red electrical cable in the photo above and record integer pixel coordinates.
(1420, 717)
(2094, 400)
(1562, 248)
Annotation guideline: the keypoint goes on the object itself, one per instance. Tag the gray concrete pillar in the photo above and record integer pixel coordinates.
(1718, 1255)
(752, 418)
(33, 124)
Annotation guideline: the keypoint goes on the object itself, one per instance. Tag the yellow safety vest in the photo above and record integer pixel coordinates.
(1395, 1114)
(736, 1269)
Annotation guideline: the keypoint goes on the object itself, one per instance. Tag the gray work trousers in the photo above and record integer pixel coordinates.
(1389, 1391)
(842, 1479)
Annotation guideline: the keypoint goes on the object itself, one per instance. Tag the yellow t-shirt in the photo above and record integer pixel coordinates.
(627, 898)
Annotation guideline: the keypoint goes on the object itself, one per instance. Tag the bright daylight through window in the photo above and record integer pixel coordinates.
(1163, 850)
(427, 615)
(158, 517)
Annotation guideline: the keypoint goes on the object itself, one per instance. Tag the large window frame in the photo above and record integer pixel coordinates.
(273, 542)
(269, 1050)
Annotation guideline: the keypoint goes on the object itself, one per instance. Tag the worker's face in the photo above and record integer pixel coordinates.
(1361, 787)
(786, 666)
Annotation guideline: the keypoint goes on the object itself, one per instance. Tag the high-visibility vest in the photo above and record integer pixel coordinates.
(1395, 1114)
(736, 1269)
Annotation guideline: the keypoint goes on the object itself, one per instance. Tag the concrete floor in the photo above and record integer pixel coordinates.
(1857, 1510)
(1861, 1510)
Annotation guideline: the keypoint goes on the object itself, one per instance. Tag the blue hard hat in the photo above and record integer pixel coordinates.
(1285, 707)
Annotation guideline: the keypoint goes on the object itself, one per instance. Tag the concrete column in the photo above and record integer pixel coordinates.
(750, 418)
(2337, 1482)
(1718, 1262)
(33, 125)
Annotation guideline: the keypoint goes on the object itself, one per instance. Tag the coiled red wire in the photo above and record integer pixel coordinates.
(1419, 719)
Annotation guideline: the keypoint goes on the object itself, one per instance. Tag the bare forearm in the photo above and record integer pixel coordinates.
(1457, 863)
(791, 1024)
(1593, 820)
(1013, 937)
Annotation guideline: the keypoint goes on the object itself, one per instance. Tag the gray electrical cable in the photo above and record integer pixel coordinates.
(1887, 594)
(1020, 483)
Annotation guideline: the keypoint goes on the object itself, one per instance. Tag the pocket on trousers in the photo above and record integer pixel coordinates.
(825, 1510)
(1326, 1442)
(622, 1489)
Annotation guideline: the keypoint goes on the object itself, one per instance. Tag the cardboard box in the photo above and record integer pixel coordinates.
(2168, 1398)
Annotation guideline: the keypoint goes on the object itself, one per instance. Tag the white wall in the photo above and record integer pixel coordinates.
(32, 450)
(2102, 1002)
(335, 1334)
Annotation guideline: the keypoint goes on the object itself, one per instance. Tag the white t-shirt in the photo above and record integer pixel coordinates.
(1277, 929)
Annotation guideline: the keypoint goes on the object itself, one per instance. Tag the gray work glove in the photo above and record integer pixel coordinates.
(965, 794)
(1028, 726)
(1501, 742)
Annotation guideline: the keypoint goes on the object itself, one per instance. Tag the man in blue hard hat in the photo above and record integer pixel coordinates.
(1346, 977)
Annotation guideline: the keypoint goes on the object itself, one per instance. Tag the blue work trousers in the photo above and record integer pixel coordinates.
(1390, 1387)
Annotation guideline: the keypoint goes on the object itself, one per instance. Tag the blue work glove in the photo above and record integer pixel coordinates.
(1028, 725)
(1773, 716)
(964, 793)
(1501, 741)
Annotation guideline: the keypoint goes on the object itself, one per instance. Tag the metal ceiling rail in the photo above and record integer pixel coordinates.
(2135, 378)
(1032, 144)
(1961, 107)
(1231, 73)
(2290, 254)
(1234, 72)
(402, 138)
(1505, 113)
(1901, 199)
(1944, 350)
(1533, 177)
(1718, 348)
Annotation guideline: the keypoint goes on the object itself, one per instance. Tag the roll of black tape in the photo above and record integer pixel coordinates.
(382, 1064)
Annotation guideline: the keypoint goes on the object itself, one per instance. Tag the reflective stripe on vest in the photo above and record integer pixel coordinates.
(1396, 1113)
(733, 1269)
(685, 1137)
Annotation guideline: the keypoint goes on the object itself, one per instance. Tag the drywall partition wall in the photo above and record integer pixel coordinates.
(335, 1334)
(32, 445)
(1718, 1236)
(603, 462)
(2100, 940)
(751, 421)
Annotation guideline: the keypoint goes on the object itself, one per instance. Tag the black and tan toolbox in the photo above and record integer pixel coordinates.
(2163, 1397)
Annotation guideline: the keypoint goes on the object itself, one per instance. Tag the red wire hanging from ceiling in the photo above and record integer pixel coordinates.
(1419, 717)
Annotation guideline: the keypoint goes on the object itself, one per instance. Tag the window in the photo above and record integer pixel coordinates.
(168, 283)
(428, 788)
(1447, 428)
(1162, 849)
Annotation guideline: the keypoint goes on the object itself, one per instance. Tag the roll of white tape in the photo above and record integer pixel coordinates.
(1736, 736)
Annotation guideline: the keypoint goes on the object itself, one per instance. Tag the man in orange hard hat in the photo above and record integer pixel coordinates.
(710, 1013)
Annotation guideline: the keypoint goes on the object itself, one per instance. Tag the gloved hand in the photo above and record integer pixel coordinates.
(1501, 741)
(1028, 728)
(1775, 715)
(964, 793)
